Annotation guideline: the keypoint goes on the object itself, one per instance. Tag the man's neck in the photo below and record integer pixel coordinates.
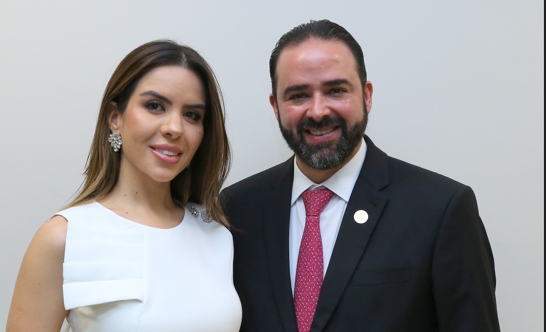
(320, 176)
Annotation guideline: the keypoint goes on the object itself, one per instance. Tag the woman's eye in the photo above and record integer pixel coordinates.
(155, 106)
(193, 116)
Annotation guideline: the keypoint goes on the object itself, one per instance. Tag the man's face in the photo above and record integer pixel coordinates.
(321, 105)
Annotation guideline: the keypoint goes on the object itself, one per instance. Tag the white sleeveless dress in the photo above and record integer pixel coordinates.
(121, 276)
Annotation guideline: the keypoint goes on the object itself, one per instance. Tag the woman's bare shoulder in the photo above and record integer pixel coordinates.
(37, 302)
(51, 236)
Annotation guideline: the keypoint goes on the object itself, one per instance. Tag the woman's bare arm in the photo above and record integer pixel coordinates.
(37, 303)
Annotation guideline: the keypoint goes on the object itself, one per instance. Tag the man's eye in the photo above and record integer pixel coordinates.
(337, 91)
(298, 96)
(155, 106)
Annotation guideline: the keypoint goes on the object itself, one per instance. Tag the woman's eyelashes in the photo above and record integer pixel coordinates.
(155, 106)
(192, 115)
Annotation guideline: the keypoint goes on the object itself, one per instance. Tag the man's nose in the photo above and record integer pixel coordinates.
(319, 108)
(173, 126)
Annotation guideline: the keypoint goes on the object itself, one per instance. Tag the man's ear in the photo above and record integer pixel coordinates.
(114, 117)
(273, 102)
(368, 94)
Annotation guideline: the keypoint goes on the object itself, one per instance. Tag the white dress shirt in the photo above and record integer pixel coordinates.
(342, 184)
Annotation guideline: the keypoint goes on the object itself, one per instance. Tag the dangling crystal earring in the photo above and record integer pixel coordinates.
(115, 141)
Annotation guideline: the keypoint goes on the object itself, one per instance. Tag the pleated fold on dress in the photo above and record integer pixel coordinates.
(104, 260)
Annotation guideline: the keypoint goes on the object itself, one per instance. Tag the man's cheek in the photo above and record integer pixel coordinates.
(291, 118)
(286, 121)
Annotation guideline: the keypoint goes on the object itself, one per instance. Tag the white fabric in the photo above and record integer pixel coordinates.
(342, 184)
(123, 276)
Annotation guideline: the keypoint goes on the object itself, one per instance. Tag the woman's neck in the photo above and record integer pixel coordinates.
(139, 198)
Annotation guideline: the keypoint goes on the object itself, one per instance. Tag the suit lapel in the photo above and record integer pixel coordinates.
(353, 238)
(277, 225)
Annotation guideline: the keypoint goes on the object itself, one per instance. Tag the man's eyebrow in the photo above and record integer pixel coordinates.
(157, 95)
(295, 88)
(336, 82)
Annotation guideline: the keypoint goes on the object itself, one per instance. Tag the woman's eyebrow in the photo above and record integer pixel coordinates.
(200, 106)
(157, 95)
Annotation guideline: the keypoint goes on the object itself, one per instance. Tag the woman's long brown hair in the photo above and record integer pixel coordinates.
(202, 181)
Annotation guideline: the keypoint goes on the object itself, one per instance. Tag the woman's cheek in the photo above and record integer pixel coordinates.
(138, 122)
(201, 135)
(197, 138)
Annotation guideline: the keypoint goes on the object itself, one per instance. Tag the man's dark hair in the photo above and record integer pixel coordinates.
(323, 30)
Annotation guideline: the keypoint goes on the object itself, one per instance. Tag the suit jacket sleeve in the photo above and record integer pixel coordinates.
(463, 270)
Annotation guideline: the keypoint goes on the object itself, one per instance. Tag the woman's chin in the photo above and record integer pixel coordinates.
(164, 177)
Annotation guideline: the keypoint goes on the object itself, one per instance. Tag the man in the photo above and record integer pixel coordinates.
(342, 237)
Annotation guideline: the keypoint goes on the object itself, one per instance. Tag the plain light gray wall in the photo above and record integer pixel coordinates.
(458, 89)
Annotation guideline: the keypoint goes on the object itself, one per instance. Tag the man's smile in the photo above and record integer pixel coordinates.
(320, 133)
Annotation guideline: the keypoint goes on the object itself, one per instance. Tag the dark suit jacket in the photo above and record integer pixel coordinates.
(422, 263)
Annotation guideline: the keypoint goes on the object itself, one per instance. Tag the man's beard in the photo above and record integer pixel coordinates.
(326, 155)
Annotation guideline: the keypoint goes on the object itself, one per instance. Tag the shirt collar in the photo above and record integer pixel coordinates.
(338, 183)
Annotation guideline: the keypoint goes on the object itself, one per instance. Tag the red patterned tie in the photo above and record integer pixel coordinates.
(310, 271)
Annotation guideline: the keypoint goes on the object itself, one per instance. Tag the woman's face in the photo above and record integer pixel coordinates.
(162, 126)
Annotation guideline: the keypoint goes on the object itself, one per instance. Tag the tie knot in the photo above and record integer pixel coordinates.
(316, 200)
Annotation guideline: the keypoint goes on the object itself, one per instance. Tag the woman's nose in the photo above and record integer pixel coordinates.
(173, 126)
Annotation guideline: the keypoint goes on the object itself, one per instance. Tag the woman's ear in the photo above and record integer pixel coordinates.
(114, 117)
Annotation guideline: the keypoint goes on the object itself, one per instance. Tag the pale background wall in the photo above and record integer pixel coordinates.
(459, 90)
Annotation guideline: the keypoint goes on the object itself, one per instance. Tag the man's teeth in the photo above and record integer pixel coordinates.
(320, 133)
(168, 153)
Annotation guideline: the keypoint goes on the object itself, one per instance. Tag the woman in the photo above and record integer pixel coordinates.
(145, 245)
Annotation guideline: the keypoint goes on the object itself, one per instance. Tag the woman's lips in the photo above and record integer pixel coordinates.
(159, 153)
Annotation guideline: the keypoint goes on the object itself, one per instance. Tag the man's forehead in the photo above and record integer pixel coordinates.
(315, 57)
(314, 49)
